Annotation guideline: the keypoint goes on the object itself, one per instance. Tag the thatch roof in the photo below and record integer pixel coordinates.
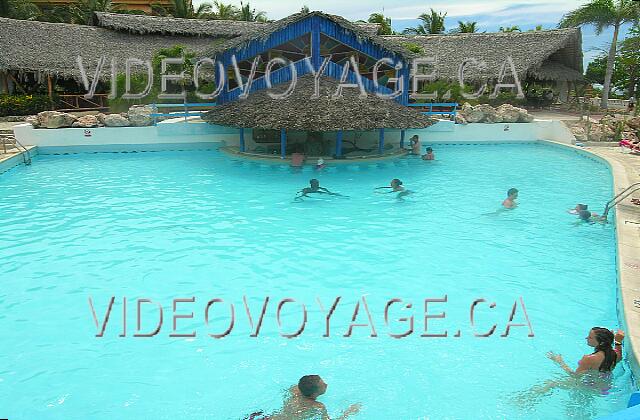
(361, 31)
(52, 48)
(142, 24)
(300, 112)
(547, 55)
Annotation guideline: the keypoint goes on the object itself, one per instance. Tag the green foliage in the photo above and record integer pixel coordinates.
(23, 104)
(466, 27)
(432, 23)
(514, 28)
(384, 22)
(414, 48)
(139, 81)
(19, 9)
(251, 15)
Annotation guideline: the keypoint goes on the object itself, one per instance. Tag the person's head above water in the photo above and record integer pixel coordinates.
(601, 339)
(512, 193)
(429, 150)
(395, 182)
(314, 183)
(312, 386)
(584, 214)
(580, 207)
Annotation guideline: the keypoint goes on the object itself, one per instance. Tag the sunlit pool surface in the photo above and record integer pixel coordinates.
(200, 224)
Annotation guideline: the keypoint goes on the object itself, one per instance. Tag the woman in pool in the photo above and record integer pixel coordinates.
(608, 352)
(593, 371)
(396, 186)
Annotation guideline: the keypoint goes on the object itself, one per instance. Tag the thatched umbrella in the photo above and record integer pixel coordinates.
(301, 113)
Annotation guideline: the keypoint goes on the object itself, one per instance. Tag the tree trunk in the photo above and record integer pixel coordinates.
(610, 60)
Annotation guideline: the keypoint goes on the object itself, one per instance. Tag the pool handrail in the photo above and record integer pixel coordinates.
(431, 105)
(186, 114)
(619, 197)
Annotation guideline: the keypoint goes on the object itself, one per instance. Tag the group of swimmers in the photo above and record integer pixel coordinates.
(593, 372)
(581, 210)
(314, 187)
(416, 149)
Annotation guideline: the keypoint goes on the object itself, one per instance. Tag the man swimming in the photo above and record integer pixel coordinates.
(302, 403)
(510, 201)
(315, 188)
(396, 186)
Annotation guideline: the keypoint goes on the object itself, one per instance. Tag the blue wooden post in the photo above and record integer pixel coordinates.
(406, 87)
(315, 43)
(339, 144)
(283, 143)
(402, 133)
(381, 141)
(242, 149)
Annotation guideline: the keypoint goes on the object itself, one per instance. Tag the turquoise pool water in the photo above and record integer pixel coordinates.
(199, 224)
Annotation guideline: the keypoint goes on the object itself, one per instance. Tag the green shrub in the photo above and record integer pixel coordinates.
(24, 104)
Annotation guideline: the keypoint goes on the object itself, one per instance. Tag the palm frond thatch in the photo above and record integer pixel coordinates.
(300, 112)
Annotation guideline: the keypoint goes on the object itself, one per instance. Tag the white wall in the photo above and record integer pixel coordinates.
(173, 135)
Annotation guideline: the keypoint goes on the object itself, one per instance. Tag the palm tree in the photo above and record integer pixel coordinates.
(250, 15)
(82, 11)
(384, 22)
(305, 9)
(432, 23)
(184, 9)
(224, 11)
(514, 28)
(603, 14)
(467, 27)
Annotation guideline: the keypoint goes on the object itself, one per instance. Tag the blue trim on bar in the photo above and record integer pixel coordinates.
(283, 143)
(381, 142)
(242, 146)
(339, 144)
(402, 135)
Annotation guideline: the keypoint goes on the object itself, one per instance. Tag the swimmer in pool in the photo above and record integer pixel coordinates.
(594, 369)
(396, 186)
(315, 188)
(302, 403)
(510, 201)
(578, 208)
(429, 155)
(585, 216)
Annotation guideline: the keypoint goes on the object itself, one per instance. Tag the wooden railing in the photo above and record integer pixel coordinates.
(66, 103)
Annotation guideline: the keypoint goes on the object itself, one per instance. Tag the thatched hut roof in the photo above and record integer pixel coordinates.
(360, 30)
(300, 112)
(142, 24)
(546, 55)
(52, 48)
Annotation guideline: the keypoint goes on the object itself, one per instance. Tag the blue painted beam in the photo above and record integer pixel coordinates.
(316, 60)
(339, 144)
(242, 147)
(402, 134)
(283, 143)
(381, 141)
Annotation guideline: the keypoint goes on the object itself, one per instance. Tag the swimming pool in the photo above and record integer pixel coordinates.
(202, 225)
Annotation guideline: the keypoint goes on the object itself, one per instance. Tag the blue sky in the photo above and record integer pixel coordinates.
(490, 15)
